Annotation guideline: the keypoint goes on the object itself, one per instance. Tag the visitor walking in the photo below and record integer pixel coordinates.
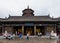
(20, 35)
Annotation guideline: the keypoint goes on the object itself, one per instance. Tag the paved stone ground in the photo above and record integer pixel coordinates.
(31, 40)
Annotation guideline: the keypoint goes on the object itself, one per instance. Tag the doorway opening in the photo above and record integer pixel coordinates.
(17, 29)
(40, 29)
(29, 29)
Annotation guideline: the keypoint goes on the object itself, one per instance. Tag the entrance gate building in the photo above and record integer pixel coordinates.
(28, 23)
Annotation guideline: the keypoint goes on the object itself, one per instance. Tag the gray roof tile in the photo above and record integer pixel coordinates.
(28, 18)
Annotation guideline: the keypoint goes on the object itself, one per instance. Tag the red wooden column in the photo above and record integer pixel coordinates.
(34, 29)
(23, 29)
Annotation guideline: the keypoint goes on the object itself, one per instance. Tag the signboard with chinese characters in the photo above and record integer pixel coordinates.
(29, 24)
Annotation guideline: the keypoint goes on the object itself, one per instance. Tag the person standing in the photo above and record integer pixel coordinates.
(39, 34)
(27, 36)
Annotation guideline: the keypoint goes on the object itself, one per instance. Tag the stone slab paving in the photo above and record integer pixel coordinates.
(31, 40)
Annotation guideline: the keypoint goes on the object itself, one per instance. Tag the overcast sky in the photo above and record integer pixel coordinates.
(40, 7)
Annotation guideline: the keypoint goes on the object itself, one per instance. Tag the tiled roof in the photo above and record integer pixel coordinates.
(57, 18)
(28, 18)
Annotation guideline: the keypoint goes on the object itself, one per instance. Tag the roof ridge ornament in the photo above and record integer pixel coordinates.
(9, 15)
(28, 7)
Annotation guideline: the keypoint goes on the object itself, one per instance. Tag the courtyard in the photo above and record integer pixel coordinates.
(31, 40)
